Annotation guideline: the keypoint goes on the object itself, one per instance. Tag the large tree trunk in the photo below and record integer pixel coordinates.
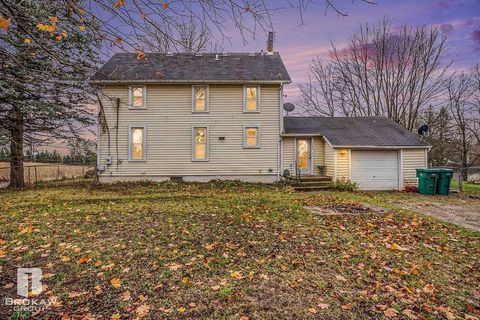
(16, 150)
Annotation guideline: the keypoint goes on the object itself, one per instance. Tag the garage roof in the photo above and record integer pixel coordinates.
(354, 131)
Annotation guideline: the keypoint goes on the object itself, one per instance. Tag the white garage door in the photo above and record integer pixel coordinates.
(375, 170)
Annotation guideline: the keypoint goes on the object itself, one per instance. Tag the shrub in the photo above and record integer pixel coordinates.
(344, 185)
(413, 189)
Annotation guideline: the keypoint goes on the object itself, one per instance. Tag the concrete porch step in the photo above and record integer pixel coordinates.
(310, 188)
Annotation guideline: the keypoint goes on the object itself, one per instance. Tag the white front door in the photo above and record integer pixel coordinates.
(375, 169)
(304, 155)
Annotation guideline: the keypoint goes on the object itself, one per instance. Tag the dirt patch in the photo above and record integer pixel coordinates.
(465, 213)
(345, 209)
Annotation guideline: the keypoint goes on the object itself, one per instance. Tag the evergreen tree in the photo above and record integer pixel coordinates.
(46, 58)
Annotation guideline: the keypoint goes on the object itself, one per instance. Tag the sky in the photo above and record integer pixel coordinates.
(298, 43)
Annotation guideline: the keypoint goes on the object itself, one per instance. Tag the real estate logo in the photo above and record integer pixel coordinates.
(29, 278)
(29, 285)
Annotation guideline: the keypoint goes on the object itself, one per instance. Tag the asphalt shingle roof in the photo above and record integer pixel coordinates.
(354, 131)
(183, 67)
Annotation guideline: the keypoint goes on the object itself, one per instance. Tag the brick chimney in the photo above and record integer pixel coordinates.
(270, 43)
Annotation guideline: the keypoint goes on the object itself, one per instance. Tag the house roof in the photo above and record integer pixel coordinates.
(354, 131)
(192, 68)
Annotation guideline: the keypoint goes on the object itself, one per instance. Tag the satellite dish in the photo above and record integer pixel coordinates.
(422, 130)
(289, 107)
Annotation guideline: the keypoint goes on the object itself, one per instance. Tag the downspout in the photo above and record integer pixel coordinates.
(280, 140)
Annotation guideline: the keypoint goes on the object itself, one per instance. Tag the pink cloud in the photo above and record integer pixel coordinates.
(475, 36)
(447, 28)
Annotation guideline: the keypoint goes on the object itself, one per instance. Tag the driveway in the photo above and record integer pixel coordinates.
(462, 211)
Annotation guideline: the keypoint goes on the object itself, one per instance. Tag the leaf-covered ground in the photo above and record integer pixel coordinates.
(234, 251)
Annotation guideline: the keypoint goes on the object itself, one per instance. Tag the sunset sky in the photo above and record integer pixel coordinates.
(298, 44)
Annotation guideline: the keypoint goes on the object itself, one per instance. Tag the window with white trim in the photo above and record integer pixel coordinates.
(251, 101)
(137, 97)
(200, 98)
(251, 137)
(200, 143)
(137, 151)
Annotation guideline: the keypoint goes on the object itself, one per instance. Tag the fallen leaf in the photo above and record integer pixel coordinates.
(210, 246)
(323, 306)
(341, 278)
(410, 314)
(115, 316)
(119, 3)
(390, 312)
(27, 41)
(98, 263)
(74, 294)
(125, 296)
(236, 275)
(395, 246)
(142, 310)
(84, 259)
(181, 309)
(5, 23)
(175, 266)
(9, 285)
(65, 258)
(428, 288)
(312, 310)
(347, 307)
(116, 283)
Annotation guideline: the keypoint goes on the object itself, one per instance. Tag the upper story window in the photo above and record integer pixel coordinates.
(251, 137)
(200, 99)
(200, 142)
(251, 101)
(136, 148)
(137, 97)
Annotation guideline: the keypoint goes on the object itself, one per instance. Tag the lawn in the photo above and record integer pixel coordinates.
(467, 187)
(234, 251)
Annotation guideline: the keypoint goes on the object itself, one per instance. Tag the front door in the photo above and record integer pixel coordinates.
(304, 155)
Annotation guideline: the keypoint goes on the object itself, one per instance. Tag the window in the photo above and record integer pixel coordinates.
(137, 150)
(137, 97)
(251, 137)
(251, 99)
(200, 144)
(200, 99)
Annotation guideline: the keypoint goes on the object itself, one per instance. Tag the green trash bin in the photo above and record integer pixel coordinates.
(427, 181)
(443, 181)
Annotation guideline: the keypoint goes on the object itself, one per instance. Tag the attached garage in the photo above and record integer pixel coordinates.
(374, 152)
(375, 169)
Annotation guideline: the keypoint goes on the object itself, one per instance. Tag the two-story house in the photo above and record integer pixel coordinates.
(199, 117)
(195, 116)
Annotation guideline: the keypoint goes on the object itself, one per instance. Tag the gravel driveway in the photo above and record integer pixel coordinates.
(464, 212)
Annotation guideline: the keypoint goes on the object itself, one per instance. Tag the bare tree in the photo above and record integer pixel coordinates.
(475, 123)
(460, 91)
(193, 38)
(380, 72)
(318, 94)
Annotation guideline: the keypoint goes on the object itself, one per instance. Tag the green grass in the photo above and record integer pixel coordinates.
(467, 187)
(231, 250)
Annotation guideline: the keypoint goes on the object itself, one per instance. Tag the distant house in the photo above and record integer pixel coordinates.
(199, 117)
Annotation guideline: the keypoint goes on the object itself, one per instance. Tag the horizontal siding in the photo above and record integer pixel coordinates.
(289, 154)
(412, 159)
(330, 160)
(343, 164)
(318, 154)
(169, 120)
